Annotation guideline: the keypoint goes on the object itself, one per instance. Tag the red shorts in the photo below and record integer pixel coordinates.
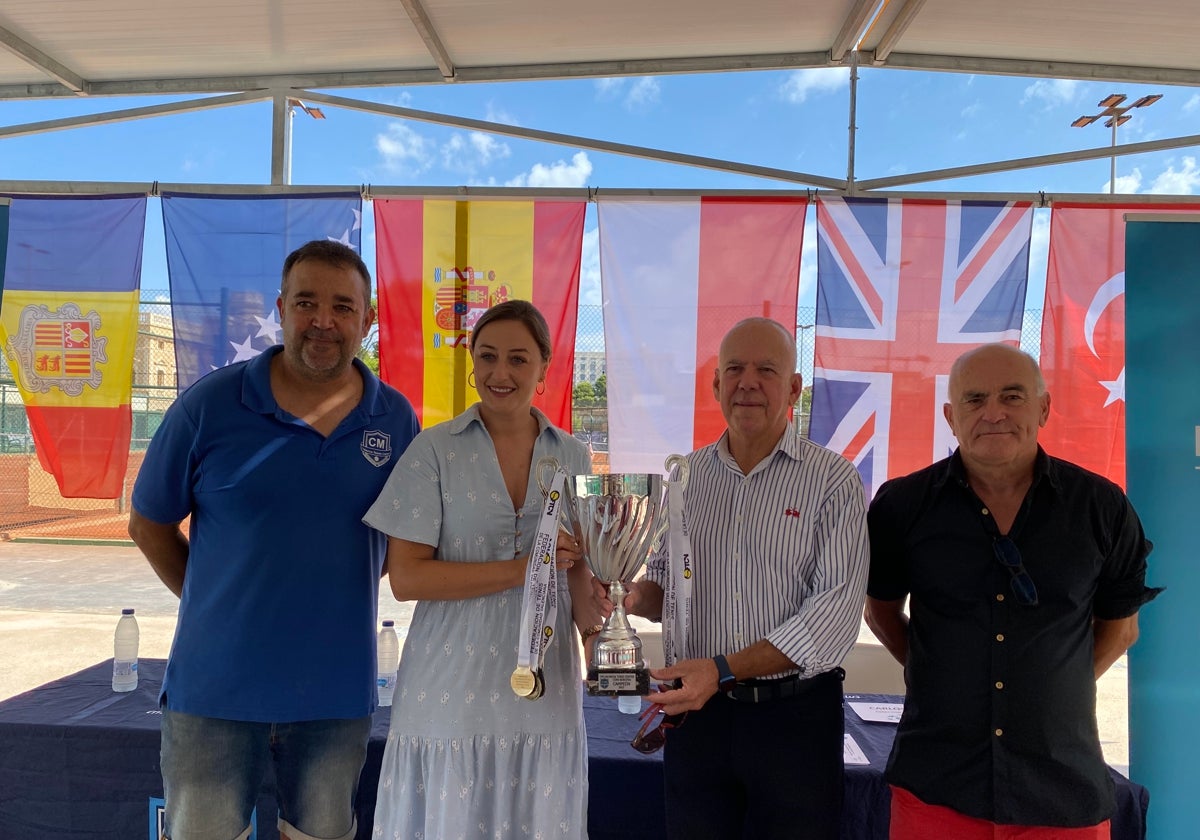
(913, 819)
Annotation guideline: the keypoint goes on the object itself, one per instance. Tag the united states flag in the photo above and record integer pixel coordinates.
(903, 288)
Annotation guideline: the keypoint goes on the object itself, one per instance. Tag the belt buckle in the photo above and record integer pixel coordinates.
(756, 693)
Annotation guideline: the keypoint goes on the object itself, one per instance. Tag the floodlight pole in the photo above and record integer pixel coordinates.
(852, 129)
(283, 115)
(1117, 114)
(1112, 161)
(291, 126)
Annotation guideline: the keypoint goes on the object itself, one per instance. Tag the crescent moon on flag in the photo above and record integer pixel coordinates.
(1113, 288)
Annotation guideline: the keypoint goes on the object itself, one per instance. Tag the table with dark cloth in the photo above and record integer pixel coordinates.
(78, 761)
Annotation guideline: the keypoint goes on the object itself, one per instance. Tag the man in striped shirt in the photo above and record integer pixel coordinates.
(779, 559)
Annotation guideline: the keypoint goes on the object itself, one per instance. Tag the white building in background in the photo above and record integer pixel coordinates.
(154, 353)
(589, 366)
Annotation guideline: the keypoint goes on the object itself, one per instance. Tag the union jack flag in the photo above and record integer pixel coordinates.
(903, 288)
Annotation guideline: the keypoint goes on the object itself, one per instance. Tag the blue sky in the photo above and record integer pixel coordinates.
(908, 121)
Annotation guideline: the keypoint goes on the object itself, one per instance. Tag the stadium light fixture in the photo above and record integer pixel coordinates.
(1117, 114)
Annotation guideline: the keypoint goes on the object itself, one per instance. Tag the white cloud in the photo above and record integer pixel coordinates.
(404, 150)
(800, 83)
(558, 174)
(1127, 184)
(589, 269)
(1183, 181)
(488, 147)
(1192, 104)
(808, 261)
(497, 114)
(1052, 92)
(609, 88)
(645, 91)
(1039, 256)
(967, 117)
(472, 152)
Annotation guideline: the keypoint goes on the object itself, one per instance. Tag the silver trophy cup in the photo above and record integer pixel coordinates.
(617, 518)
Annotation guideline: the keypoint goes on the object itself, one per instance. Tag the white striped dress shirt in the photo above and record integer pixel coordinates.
(780, 554)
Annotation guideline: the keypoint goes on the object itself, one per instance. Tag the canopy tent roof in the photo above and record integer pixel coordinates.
(124, 47)
(253, 50)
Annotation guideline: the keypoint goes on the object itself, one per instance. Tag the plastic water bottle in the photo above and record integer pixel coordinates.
(125, 653)
(629, 704)
(389, 657)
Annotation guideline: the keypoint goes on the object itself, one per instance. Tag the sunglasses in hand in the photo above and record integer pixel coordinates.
(650, 740)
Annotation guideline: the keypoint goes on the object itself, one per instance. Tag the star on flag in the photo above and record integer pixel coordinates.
(268, 327)
(245, 350)
(1115, 388)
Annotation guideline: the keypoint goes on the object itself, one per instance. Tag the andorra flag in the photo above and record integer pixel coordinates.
(441, 264)
(69, 325)
(676, 275)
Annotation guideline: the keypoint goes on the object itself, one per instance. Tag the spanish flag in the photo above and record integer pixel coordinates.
(441, 264)
(69, 324)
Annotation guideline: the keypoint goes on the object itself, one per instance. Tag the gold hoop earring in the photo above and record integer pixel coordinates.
(471, 379)
(541, 388)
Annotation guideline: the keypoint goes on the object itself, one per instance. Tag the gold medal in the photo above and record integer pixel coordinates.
(523, 681)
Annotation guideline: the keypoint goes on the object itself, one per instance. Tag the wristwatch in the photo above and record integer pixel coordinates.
(725, 678)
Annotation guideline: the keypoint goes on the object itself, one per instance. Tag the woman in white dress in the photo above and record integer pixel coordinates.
(466, 757)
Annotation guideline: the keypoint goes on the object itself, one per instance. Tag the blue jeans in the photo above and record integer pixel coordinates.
(212, 771)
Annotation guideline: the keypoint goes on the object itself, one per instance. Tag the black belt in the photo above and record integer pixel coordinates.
(763, 691)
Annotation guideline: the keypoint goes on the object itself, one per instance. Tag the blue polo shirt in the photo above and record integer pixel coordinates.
(278, 613)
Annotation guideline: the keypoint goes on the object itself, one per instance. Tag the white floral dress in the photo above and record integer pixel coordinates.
(466, 757)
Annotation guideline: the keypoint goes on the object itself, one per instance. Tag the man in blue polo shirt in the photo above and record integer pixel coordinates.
(275, 460)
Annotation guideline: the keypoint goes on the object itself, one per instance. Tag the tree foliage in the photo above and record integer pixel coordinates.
(369, 352)
(584, 396)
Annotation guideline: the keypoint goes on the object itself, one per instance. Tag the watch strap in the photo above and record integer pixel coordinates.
(725, 678)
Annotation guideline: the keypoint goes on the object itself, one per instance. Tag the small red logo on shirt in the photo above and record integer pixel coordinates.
(792, 512)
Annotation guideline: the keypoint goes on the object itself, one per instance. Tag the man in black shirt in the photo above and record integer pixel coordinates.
(1024, 575)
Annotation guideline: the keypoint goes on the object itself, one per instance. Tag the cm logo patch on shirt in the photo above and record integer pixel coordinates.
(376, 447)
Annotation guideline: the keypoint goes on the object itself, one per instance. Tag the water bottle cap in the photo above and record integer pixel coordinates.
(389, 623)
(127, 611)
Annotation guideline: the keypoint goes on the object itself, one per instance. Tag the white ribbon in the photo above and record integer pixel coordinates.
(677, 597)
(539, 605)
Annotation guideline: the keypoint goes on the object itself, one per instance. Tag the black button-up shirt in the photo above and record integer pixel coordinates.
(1000, 717)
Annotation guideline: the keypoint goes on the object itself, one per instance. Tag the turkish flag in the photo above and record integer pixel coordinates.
(1083, 334)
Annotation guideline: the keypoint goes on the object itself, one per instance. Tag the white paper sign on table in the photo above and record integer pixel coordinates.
(878, 712)
(852, 753)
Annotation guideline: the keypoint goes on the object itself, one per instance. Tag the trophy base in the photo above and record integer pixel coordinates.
(618, 683)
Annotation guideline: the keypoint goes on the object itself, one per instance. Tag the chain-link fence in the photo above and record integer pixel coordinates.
(31, 507)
